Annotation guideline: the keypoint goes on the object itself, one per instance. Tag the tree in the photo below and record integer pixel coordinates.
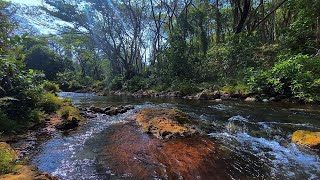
(116, 27)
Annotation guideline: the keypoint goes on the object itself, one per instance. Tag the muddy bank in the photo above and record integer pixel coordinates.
(134, 154)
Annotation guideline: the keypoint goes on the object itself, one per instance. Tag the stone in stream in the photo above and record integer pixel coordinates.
(134, 154)
(250, 99)
(96, 109)
(111, 111)
(165, 123)
(68, 124)
(307, 138)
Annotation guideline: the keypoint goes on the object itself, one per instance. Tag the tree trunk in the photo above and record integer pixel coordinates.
(218, 21)
(318, 32)
(243, 16)
(235, 6)
(263, 25)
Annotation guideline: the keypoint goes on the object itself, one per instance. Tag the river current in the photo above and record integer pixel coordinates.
(254, 138)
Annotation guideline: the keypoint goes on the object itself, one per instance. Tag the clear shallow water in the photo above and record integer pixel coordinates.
(254, 138)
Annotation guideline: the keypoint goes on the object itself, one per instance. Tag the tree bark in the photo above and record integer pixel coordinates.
(243, 16)
(218, 21)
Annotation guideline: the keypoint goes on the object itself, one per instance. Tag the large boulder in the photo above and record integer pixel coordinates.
(132, 154)
(70, 116)
(165, 123)
(250, 99)
(204, 95)
(68, 124)
(306, 138)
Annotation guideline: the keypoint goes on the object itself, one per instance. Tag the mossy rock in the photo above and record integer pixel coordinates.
(7, 158)
(68, 124)
(71, 118)
(165, 123)
(306, 138)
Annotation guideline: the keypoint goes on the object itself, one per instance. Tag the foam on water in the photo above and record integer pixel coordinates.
(59, 155)
(220, 107)
(284, 161)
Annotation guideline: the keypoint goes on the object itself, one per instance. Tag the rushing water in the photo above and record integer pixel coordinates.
(254, 137)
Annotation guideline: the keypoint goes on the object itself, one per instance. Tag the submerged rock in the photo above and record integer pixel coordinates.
(135, 155)
(306, 138)
(111, 111)
(165, 123)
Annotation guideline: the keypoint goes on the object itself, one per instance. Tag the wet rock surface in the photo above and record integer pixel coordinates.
(165, 123)
(130, 153)
(92, 111)
(307, 138)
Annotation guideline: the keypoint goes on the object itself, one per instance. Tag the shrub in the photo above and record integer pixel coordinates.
(6, 124)
(69, 112)
(50, 102)
(36, 115)
(74, 85)
(50, 87)
(185, 87)
(240, 88)
(114, 83)
(97, 85)
(135, 84)
(292, 77)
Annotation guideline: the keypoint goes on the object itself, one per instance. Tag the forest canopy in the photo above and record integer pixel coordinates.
(262, 48)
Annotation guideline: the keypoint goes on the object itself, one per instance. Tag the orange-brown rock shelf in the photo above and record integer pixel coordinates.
(137, 155)
(165, 123)
(307, 138)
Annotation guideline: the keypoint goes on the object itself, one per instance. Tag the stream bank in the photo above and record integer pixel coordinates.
(247, 140)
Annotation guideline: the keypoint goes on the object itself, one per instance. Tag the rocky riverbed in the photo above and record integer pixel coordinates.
(160, 143)
(178, 138)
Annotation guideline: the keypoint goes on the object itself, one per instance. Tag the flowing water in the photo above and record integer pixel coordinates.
(253, 138)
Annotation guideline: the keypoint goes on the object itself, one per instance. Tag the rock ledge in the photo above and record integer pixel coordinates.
(165, 123)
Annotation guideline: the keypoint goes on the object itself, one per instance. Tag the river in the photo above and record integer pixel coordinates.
(254, 138)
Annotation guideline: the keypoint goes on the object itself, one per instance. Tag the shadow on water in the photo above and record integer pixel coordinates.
(253, 138)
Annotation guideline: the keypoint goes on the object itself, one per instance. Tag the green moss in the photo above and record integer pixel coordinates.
(69, 112)
(71, 117)
(241, 88)
(228, 89)
(7, 158)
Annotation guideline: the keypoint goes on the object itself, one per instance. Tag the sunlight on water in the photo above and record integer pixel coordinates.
(252, 147)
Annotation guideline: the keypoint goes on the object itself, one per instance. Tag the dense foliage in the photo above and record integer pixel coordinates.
(177, 45)
(264, 48)
(23, 98)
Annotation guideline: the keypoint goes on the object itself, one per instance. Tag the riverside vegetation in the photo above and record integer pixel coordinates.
(257, 48)
(266, 50)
